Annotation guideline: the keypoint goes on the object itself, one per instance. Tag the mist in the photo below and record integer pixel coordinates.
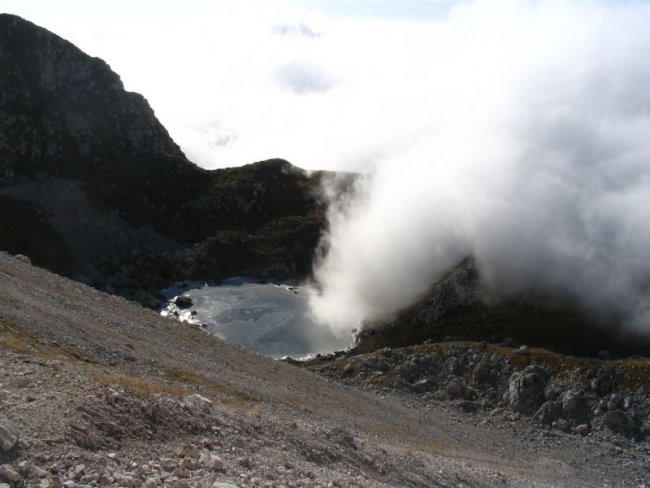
(523, 140)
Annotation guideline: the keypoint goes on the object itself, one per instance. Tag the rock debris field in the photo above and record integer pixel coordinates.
(98, 391)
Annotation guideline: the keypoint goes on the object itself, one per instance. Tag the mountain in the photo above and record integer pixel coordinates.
(92, 186)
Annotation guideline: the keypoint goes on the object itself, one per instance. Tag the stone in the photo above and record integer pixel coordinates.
(562, 425)
(618, 421)
(468, 406)
(457, 390)
(23, 259)
(8, 438)
(574, 404)
(7, 473)
(217, 484)
(615, 401)
(526, 389)
(183, 301)
(523, 350)
(549, 412)
(212, 462)
(582, 429)
(422, 386)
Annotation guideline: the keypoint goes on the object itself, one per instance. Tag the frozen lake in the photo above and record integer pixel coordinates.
(273, 320)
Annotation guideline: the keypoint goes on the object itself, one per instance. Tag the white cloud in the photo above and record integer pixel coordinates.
(528, 149)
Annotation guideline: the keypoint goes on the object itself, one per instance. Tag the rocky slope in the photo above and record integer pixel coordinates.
(563, 393)
(458, 307)
(92, 186)
(97, 391)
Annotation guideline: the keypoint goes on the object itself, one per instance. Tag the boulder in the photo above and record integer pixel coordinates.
(183, 301)
(574, 405)
(549, 412)
(618, 421)
(526, 389)
(457, 390)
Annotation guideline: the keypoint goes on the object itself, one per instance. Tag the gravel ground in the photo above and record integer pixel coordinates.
(102, 392)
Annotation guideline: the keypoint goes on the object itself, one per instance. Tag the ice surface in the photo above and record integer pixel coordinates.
(271, 319)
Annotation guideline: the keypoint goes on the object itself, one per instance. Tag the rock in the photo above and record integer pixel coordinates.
(523, 350)
(183, 301)
(386, 352)
(8, 438)
(23, 259)
(552, 392)
(602, 381)
(562, 425)
(212, 462)
(422, 386)
(217, 484)
(526, 389)
(7, 473)
(615, 402)
(574, 405)
(457, 390)
(618, 421)
(79, 470)
(582, 429)
(549, 412)
(245, 463)
(467, 406)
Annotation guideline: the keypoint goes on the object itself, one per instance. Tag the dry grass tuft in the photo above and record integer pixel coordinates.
(189, 377)
(14, 338)
(141, 386)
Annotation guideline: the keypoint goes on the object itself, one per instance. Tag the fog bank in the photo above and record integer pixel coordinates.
(523, 139)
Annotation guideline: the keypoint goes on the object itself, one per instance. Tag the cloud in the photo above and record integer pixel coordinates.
(295, 30)
(302, 78)
(528, 149)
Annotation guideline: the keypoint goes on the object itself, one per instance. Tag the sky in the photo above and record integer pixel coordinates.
(240, 81)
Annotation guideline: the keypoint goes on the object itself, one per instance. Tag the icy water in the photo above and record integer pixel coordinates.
(273, 320)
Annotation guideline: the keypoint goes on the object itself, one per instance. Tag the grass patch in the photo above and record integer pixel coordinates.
(14, 338)
(141, 386)
(189, 377)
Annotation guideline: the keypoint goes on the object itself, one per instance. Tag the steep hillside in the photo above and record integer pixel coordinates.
(92, 186)
(96, 391)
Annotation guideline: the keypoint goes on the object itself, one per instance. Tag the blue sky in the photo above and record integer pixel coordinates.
(385, 9)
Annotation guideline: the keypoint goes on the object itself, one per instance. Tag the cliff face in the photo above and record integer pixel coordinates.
(61, 106)
(92, 186)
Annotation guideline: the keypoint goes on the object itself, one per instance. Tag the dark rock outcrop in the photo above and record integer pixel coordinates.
(92, 186)
(457, 307)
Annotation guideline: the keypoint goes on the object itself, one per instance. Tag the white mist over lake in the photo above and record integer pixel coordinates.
(271, 319)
